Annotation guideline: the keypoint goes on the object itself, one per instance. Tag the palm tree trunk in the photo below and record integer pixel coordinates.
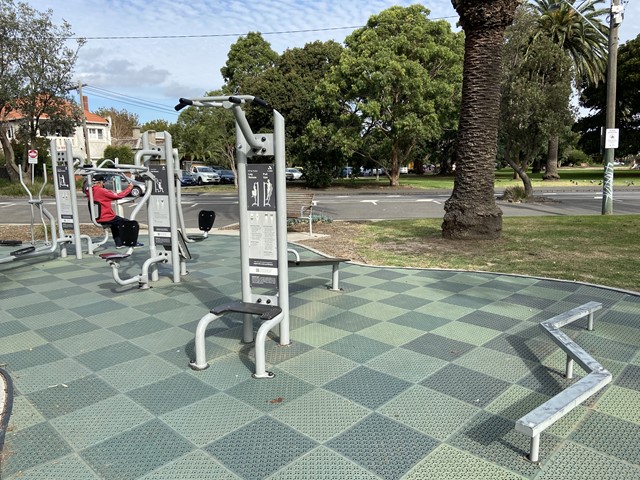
(471, 211)
(552, 160)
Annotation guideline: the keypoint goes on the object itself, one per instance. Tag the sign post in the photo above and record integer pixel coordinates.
(33, 160)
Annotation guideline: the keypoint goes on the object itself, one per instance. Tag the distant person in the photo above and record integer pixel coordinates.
(103, 197)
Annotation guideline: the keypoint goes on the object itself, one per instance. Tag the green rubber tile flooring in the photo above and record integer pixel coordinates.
(404, 374)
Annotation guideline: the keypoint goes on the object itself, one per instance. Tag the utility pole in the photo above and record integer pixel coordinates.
(84, 124)
(615, 19)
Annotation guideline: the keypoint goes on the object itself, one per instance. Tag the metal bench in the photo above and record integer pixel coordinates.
(300, 206)
(319, 261)
(541, 418)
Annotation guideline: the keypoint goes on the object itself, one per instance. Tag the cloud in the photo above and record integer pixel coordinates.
(173, 67)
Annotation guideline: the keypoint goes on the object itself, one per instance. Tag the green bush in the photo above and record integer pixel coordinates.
(123, 153)
(577, 157)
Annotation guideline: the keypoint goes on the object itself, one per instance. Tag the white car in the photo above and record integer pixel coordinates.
(293, 174)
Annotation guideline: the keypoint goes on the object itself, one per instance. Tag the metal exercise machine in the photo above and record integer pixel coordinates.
(263, 232)
(48, 247)
(63, 167)
(166, 242)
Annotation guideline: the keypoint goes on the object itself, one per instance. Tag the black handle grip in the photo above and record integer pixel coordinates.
(183, 102)
(260, 102)
(235, 100)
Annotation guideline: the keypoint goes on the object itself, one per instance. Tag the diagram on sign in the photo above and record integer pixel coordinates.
(158, 185)
(62, 181)
(267, 193)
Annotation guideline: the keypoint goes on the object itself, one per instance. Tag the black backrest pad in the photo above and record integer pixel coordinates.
(206, 219)
(129, 233)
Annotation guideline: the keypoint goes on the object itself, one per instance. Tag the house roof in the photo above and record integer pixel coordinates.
(14, 115)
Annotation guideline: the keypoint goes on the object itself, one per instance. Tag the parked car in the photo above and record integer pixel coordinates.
(187, 178)
(293, 174)
(205, 174)
(226, 176)
(112, 179)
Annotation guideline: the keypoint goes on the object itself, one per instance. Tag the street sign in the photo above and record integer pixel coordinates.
(611, 138)
(33, 156)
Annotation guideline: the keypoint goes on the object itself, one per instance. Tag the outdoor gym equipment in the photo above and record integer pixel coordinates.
(49, 247)
(63, 165)
(166, 242)
(263, 232)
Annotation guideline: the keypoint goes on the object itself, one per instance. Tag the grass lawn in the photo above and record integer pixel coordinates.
(569, 177)
(594, 249)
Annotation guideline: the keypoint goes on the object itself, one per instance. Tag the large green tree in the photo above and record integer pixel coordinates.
(577, 28)
(471, 211)
(535, 92)
(247, 58)
(289, 87)
(36, 66)
(397, 84)
(594, 98)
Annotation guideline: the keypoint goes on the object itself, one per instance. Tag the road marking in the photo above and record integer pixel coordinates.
(343, 196)
(8, 205)
(373, 202)
(431, 200)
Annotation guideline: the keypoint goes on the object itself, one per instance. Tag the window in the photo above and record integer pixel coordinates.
(96, 134)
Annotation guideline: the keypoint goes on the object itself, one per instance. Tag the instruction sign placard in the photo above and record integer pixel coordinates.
(159, 205)
(261, 209)
(65, 208)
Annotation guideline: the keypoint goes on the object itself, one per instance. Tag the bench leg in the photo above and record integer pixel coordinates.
(535, 448)
(261, 338)
(335, 284)
(200, 362)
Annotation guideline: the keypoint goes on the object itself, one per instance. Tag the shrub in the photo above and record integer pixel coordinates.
(513, 194)
(577, 157)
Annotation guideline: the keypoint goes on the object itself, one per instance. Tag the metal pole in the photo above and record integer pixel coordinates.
(85, 132)
(609, 153)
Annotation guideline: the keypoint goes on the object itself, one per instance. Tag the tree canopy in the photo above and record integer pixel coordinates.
(594, 98)
(397, 84)
(122, 121)
(36, 66)
(535, 91)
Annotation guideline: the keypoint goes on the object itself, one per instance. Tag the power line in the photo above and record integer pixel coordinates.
(103, 91)
(218, 35)
(134, 102)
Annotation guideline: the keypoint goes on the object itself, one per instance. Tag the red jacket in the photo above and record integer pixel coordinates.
(104, 197)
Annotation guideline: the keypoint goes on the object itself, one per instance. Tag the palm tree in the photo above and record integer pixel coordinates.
(579, 31)
(471, 211)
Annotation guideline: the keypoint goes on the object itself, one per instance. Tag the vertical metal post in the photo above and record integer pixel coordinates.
(590, 321)
(173, 214)
(73, 196)
(612, 75)
(242, 147)
(85, 131)
(281, 224)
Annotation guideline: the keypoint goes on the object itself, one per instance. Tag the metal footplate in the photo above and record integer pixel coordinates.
(270, 315)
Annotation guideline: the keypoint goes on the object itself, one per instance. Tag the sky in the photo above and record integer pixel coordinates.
(126, 66)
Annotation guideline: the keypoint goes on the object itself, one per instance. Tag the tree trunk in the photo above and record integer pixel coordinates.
(9, 156)
(471, 211)
(394, 173)
(552, 160)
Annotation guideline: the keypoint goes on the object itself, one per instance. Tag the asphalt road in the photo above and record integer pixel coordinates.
(366, 205)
